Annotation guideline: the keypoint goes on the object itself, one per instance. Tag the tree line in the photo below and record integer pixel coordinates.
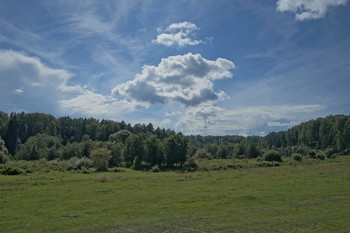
(33, 136)
(327, 135)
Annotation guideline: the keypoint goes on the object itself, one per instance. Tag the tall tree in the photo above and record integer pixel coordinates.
(11, 137)
(133, 148)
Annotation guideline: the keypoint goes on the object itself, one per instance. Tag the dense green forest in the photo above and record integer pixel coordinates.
(34, 136)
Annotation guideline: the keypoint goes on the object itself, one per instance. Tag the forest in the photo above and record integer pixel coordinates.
(106, 143)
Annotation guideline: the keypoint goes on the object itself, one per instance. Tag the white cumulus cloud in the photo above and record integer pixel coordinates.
(187, 79)
(308, 9)
(178, 34)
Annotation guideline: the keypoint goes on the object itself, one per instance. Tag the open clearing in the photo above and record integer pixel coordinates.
(303, 198)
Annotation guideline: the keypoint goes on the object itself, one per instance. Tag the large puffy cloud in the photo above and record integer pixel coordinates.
(308, 9)
(208, 119)
(178, 34)
(187, 79)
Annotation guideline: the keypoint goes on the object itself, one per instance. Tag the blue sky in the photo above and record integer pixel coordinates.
(218, 67)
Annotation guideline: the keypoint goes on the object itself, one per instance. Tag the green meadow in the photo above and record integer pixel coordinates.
(293, 197)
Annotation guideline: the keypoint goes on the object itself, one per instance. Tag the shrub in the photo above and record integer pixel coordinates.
(272, 155)
(320, 156)
(10, 170)
(100, 158)
(4, 158)
(335, 155)
(190, 165)
(155, 169)
(300, 150)
(346, 151)
(297, 157)
(64, 164)
(203, 154)
(80, 163)
(117, 170)
(312, 154)
(329, 152)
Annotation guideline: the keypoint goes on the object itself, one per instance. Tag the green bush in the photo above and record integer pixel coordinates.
(10, 170)
(297, 157)
(155, 169)
(100, 158)
(300, 150)
(320, 156)
(272, 155)
(312, 154)
(329, 152)
(80, 163)
(203, 154)
(190, 165)
(4, 158)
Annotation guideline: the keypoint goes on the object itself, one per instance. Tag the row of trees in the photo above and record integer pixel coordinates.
(124, 148)
(35, 135)
(17, 128)
(331, 134)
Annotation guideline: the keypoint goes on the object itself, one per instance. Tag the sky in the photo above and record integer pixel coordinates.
(208, 67)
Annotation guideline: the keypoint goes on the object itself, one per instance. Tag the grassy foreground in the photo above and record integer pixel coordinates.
(303, 198)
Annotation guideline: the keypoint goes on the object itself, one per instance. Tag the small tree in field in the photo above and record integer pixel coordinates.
(272, 155)
(100, 158)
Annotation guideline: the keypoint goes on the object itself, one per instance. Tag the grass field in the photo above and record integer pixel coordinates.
(304, 198)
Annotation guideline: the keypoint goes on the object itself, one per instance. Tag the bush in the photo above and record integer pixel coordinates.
(100, 158)
(10, 170)
(64, 164)
(4, 158)
(333, 156)
(297, 157)
(312, 154)
(346, 151)
(329, 152)
(80, 163)
(191, 165)
(203, 154)
(320, 156)
(117, 170)
(300, 150)
(155, 169)
(272, 155)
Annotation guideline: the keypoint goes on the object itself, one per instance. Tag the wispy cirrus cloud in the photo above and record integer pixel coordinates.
(178, 34)
(308, 9)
